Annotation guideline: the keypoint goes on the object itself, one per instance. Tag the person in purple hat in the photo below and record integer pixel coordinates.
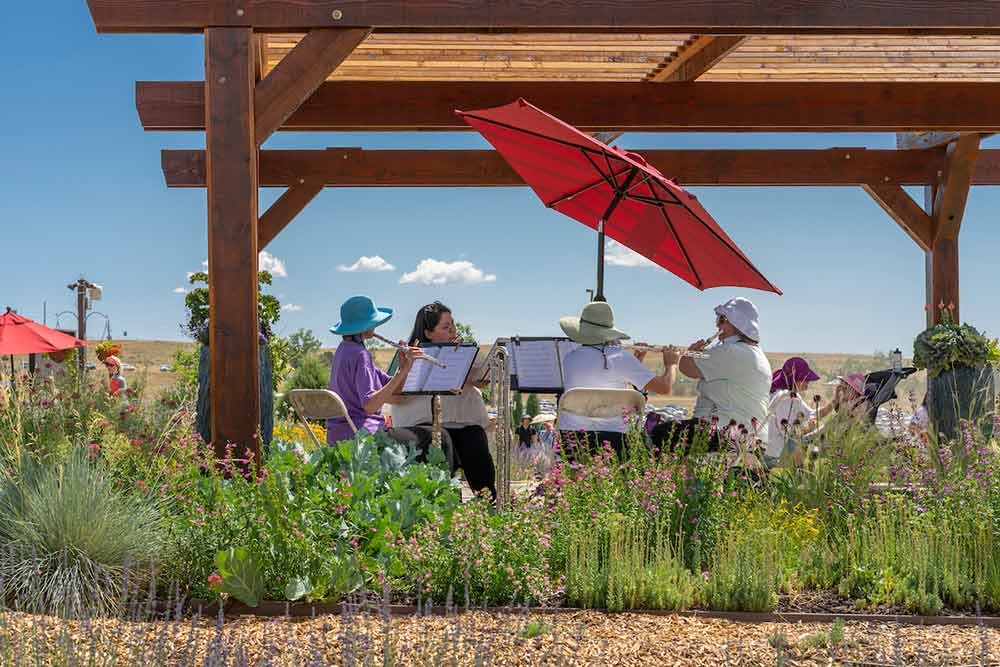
(788, 414)
(362, 386)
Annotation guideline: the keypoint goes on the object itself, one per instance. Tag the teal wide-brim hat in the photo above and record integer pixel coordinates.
(359, 314)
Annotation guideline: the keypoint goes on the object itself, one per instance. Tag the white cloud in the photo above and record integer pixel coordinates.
(180, 290)
(272, 265)
(189, 274)
(375, 263)
(616, 254)
(204, 264)
(436, 272)
(292, 307)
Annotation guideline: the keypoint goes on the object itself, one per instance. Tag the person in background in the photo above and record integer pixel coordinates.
(525, 433)
(733, 382)
(116, 381)
(463, 416)
(789, 416)
(601, 363)
(363, 387)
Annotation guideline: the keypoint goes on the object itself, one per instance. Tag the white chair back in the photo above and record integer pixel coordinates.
(319, 404)
(601, 403)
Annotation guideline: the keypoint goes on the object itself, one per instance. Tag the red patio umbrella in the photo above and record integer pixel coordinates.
(19, 335)
(617, 193)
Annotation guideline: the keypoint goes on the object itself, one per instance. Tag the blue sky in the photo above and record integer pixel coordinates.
(83, 194)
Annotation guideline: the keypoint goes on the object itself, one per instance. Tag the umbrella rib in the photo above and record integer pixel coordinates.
(562, 198)
(680, 245)
(539, 135)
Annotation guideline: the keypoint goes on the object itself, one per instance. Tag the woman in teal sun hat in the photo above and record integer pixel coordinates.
(363, 387)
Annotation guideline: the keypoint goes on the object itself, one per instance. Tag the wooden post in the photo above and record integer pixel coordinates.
(231, 179)
(948, 210)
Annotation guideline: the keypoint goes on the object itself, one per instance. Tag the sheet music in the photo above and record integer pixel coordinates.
(427, 377)
(538, 364)
(417, 377)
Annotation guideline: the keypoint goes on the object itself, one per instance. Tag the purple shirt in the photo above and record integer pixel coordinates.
(354, 377)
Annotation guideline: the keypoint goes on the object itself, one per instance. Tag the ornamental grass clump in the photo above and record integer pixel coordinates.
(71, 543)
(624, 563)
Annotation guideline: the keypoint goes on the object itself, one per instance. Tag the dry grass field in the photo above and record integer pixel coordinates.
(149, 356)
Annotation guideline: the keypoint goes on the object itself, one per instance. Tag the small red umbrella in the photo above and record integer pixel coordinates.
(19, 335)
(617, 193)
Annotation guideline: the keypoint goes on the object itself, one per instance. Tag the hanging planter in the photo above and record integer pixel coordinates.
(959, 360)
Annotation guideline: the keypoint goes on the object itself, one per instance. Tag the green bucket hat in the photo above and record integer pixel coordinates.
(595, 326)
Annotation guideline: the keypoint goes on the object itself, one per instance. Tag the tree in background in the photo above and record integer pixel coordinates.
(518, 410)
(303, 343)
(465, 332)
(531, 408)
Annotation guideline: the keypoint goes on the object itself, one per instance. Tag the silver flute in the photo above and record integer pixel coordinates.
(694, 354)
(427, 357)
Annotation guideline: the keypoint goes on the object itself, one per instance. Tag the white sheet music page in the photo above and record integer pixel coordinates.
(458, 362)
(417, 377)
(538, 364)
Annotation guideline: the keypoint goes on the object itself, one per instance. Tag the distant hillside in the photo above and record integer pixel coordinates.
(149, 356)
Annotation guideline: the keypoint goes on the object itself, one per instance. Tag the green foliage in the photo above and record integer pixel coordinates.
(531, 407)
(68, 537)
(196, 302)
(518, 410)
(948, 345)
(185, 365)
(465, 332)
(311, 373)
(303, 344)
(333, 518)
(535, 628)
(241, 575)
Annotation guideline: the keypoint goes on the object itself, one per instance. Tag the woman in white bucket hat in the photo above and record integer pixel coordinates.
(734, 382)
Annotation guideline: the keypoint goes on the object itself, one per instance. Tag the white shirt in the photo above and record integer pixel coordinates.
(584, 367)
(790, 409)
(735, 385)
(465, 409)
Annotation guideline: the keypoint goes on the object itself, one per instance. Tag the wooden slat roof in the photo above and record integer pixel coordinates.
(635, 57)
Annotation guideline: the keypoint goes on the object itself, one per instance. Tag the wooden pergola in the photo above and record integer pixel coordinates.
(926, 70)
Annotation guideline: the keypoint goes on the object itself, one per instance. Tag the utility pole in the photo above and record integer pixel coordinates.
(81, 286)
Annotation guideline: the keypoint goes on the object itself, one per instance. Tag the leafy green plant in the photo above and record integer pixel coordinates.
(949, 345)
(535, 628)
(241, 576)
(71, 543)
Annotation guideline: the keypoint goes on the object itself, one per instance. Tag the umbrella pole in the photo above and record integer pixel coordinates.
(619, 195)
(600, 262)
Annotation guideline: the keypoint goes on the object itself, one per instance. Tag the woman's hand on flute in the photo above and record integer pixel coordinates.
(698, 346)
(671, 356)
(409, 354)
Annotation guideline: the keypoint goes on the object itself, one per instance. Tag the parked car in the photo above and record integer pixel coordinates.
(91, 367)
(166, 369)
(128, 367)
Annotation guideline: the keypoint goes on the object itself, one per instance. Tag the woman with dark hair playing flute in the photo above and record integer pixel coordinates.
(463, 417)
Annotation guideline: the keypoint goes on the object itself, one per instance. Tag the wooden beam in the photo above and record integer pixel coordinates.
(944, 278)
(299, 74)
(353, 167)
(231, 176)
(907, 213)
(284, 210)
(959, 169)
(690, 62)
(697, 58)
(602, 107)
(684, 16)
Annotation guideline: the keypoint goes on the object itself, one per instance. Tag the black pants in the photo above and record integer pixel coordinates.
(673, 435)
(574, 442)
(467, 448)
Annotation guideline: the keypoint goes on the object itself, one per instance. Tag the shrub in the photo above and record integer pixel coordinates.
(71, 543)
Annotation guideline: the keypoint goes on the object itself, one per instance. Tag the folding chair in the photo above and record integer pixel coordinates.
(318, 404)
(602, 403)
